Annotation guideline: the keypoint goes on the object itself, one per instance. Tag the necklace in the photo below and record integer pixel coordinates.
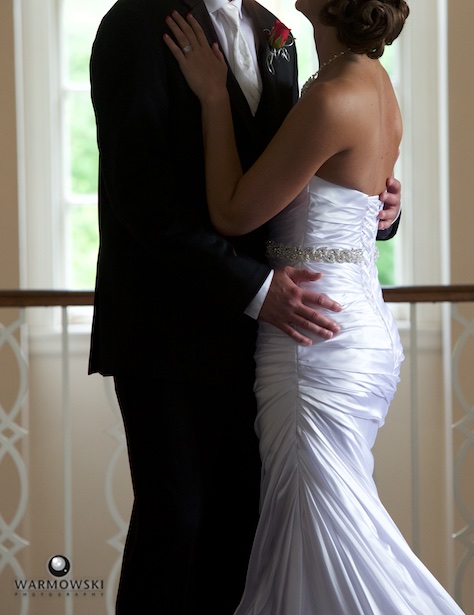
(313, 78)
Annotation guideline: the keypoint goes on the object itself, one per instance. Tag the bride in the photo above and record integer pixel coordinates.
(325, 545)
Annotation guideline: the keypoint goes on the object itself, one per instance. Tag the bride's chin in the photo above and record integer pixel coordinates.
(298, 7)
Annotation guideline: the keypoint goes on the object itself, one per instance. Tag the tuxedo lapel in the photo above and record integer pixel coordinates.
(199, 11)
(263, 22)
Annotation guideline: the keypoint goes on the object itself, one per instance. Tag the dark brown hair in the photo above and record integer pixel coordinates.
(366, 26)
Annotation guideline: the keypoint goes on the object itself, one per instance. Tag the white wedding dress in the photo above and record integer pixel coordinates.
(325, 545)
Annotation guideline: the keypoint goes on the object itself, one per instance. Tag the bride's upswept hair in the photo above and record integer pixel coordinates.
(366, 26)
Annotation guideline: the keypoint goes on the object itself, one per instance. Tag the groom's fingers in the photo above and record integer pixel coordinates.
(312, 320)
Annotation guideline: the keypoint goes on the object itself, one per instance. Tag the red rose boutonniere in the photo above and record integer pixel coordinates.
(279, 38)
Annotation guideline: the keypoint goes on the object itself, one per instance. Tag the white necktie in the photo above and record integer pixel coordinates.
(240, 58)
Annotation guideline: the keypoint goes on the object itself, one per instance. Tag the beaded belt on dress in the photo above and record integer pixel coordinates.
(298, 254)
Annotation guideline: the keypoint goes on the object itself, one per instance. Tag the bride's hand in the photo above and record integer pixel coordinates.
(203, 66)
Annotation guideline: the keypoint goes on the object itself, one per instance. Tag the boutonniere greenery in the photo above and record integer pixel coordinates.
(279, 39)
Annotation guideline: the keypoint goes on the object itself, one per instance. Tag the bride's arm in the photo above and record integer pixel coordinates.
(240, 203)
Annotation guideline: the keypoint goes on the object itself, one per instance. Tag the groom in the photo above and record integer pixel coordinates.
(176, 307)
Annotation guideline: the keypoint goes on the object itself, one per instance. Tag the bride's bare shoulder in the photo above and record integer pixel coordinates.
(332, 100)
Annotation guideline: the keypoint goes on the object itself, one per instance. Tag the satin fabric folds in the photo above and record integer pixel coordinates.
(325, 545)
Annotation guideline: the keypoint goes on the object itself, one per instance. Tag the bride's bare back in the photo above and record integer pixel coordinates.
(365, 119)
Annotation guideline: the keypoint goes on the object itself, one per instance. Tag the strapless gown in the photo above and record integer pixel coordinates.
(325, 545)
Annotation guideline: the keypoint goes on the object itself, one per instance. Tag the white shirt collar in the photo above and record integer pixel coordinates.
(215, 5)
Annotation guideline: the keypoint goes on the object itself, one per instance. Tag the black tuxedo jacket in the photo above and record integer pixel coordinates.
(170, 291)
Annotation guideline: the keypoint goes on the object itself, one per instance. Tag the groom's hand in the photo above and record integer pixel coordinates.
(392, 202)
(288, 306)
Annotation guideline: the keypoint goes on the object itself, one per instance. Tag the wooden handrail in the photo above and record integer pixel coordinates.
(45, 298)
(429, 294)
(392, 294)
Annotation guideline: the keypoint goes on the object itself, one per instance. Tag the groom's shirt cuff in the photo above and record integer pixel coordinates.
(254, 307)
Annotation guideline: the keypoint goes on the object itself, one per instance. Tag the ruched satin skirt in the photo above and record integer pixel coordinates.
(325, 545)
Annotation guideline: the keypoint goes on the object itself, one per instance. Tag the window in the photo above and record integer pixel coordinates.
(79, 154)
(59, 164)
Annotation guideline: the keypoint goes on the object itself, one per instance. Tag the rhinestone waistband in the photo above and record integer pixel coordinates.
(297, 254)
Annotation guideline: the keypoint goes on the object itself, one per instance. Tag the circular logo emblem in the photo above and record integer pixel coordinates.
(59, 566)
